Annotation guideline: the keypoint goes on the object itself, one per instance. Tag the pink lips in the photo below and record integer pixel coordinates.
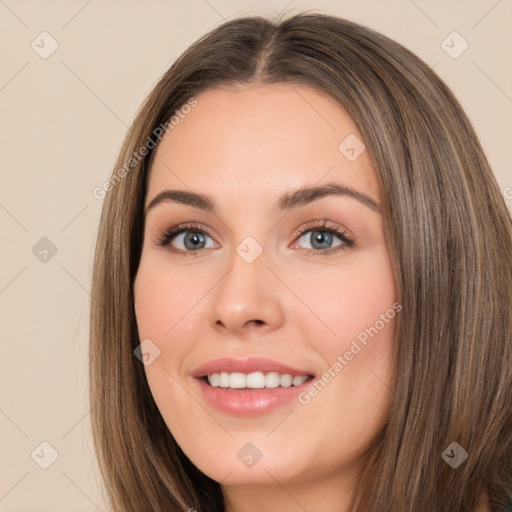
(248, 402)
(253, 364)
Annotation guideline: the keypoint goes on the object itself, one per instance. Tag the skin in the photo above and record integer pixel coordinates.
(244, 146)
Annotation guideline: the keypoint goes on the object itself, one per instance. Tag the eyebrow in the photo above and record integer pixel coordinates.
(287, 201)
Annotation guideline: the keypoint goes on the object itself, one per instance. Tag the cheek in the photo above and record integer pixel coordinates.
(169, 310)
(358, 305)
(349, 299)
(349, 402)
(161, 299)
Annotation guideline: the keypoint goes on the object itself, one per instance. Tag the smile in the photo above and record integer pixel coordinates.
(255, 380)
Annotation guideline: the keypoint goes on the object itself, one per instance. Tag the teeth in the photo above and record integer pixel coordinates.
(255, 380)
(236, 380)
(272, 380)
(297, 381)
(286, 380)
(214, 379)
(224, 380)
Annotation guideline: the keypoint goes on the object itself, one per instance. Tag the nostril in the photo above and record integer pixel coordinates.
(255, 322)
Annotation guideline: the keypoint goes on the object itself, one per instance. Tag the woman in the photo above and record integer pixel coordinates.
(302, 285)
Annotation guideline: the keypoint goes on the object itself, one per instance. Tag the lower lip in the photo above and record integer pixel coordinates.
(250, 402)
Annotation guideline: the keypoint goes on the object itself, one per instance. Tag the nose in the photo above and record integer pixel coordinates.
(248, 298)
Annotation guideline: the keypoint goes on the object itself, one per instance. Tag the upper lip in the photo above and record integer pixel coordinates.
(250, 365)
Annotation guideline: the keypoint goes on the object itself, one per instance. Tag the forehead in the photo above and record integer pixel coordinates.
(257, 138)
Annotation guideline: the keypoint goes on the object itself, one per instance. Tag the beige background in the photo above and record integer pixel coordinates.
(63, 119)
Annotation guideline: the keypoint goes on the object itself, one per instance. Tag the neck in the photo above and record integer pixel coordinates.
(326, 494)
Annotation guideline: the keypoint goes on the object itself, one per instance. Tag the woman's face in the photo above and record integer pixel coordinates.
(263, 276)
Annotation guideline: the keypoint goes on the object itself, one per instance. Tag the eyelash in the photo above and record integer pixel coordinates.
(322, 226)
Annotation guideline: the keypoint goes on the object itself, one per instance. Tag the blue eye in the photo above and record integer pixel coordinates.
(191, 235)
(320, 237)
(319, 234)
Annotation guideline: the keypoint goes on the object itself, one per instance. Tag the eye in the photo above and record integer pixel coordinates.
(188, 237)
(321, 235)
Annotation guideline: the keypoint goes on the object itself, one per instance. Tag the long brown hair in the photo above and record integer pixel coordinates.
(450, 239)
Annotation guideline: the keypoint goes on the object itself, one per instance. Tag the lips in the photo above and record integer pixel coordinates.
(249, 402)
(250, 365)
